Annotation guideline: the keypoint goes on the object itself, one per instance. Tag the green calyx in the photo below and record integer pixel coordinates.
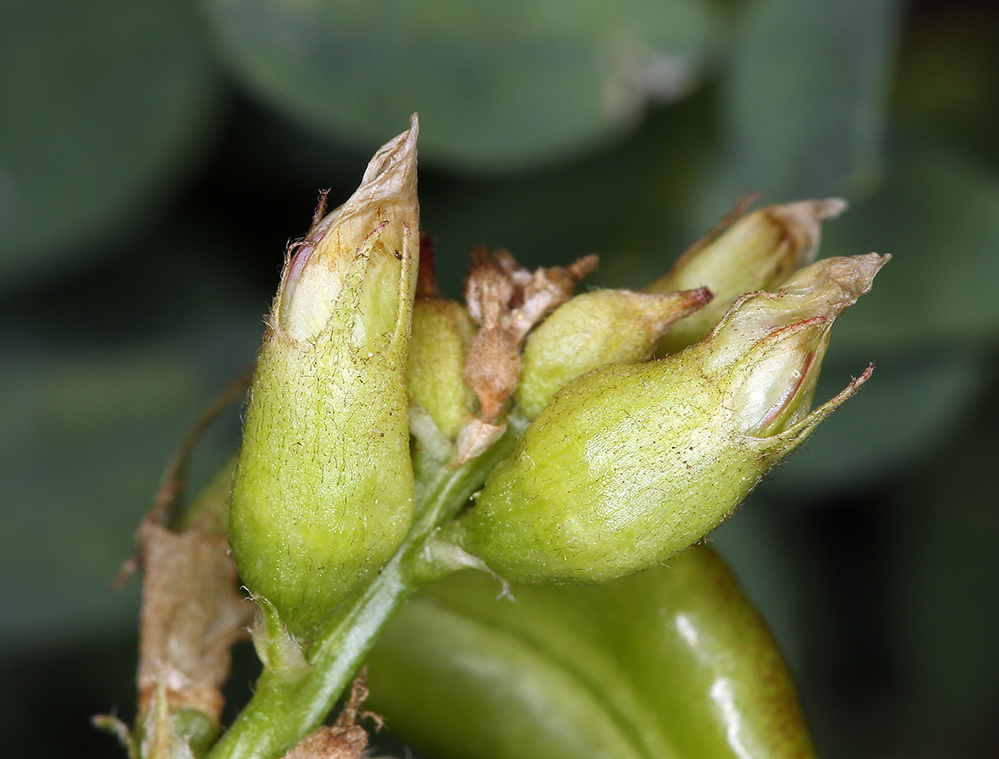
(755, 252)
(442, 332)
(323, 493)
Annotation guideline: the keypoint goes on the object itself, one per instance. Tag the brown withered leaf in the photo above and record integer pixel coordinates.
(331, 743)
(541, 292)
(492, 370)
(192, 614)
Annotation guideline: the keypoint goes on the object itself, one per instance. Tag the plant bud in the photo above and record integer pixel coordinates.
(592, 330)
(442, 331)
(631, 464)
(323, 493)
(756, 252)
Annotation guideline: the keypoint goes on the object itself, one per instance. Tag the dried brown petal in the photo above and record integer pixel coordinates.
(492, 370)
(474, 438)
(507, 302)
(488, 289)
(331, 743)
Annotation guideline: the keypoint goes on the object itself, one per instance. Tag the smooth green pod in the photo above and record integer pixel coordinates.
(323, 493)
(592, 330)
(670, 663)
(630, 464)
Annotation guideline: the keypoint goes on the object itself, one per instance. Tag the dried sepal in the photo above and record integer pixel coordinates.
(192, 609)
(508, 301)
(192, 614)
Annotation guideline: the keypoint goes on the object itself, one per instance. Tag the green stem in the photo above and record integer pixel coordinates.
(284, 711)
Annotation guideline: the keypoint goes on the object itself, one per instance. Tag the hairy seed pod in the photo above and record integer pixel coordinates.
(323, 493)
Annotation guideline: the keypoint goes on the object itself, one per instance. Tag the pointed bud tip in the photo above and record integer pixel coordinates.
(674, 306)
(803, 221)
(392, 170)
(818, 415)
(808, 214)
(696, 298)
(848, 277)
(379, 219)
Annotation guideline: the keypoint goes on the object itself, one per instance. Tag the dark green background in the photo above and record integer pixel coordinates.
(155, 157)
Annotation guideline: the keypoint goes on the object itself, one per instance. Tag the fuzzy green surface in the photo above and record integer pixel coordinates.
(442, 330)
(324, 490)
(589, 331)
(627, 466)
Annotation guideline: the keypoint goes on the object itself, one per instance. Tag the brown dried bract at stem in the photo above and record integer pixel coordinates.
(192, 614)
(345, 739)
(192, 609)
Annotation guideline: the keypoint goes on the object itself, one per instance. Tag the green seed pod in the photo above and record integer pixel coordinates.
(756, 252)
(442, 331)
(631, 464)
(670, 662)
(323, 493)
(592, 330)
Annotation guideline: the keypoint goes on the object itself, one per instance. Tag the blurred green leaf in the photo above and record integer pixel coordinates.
(83, 441)
(948, 78)
(943, 569)
(103, 105)
(938, 216)
(546, 217)
(85, 437)
(905, 409)
(805, 102)
(498, 85)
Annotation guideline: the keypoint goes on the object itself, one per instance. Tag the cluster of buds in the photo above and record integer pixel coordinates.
(628, 460)
(630, 464)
